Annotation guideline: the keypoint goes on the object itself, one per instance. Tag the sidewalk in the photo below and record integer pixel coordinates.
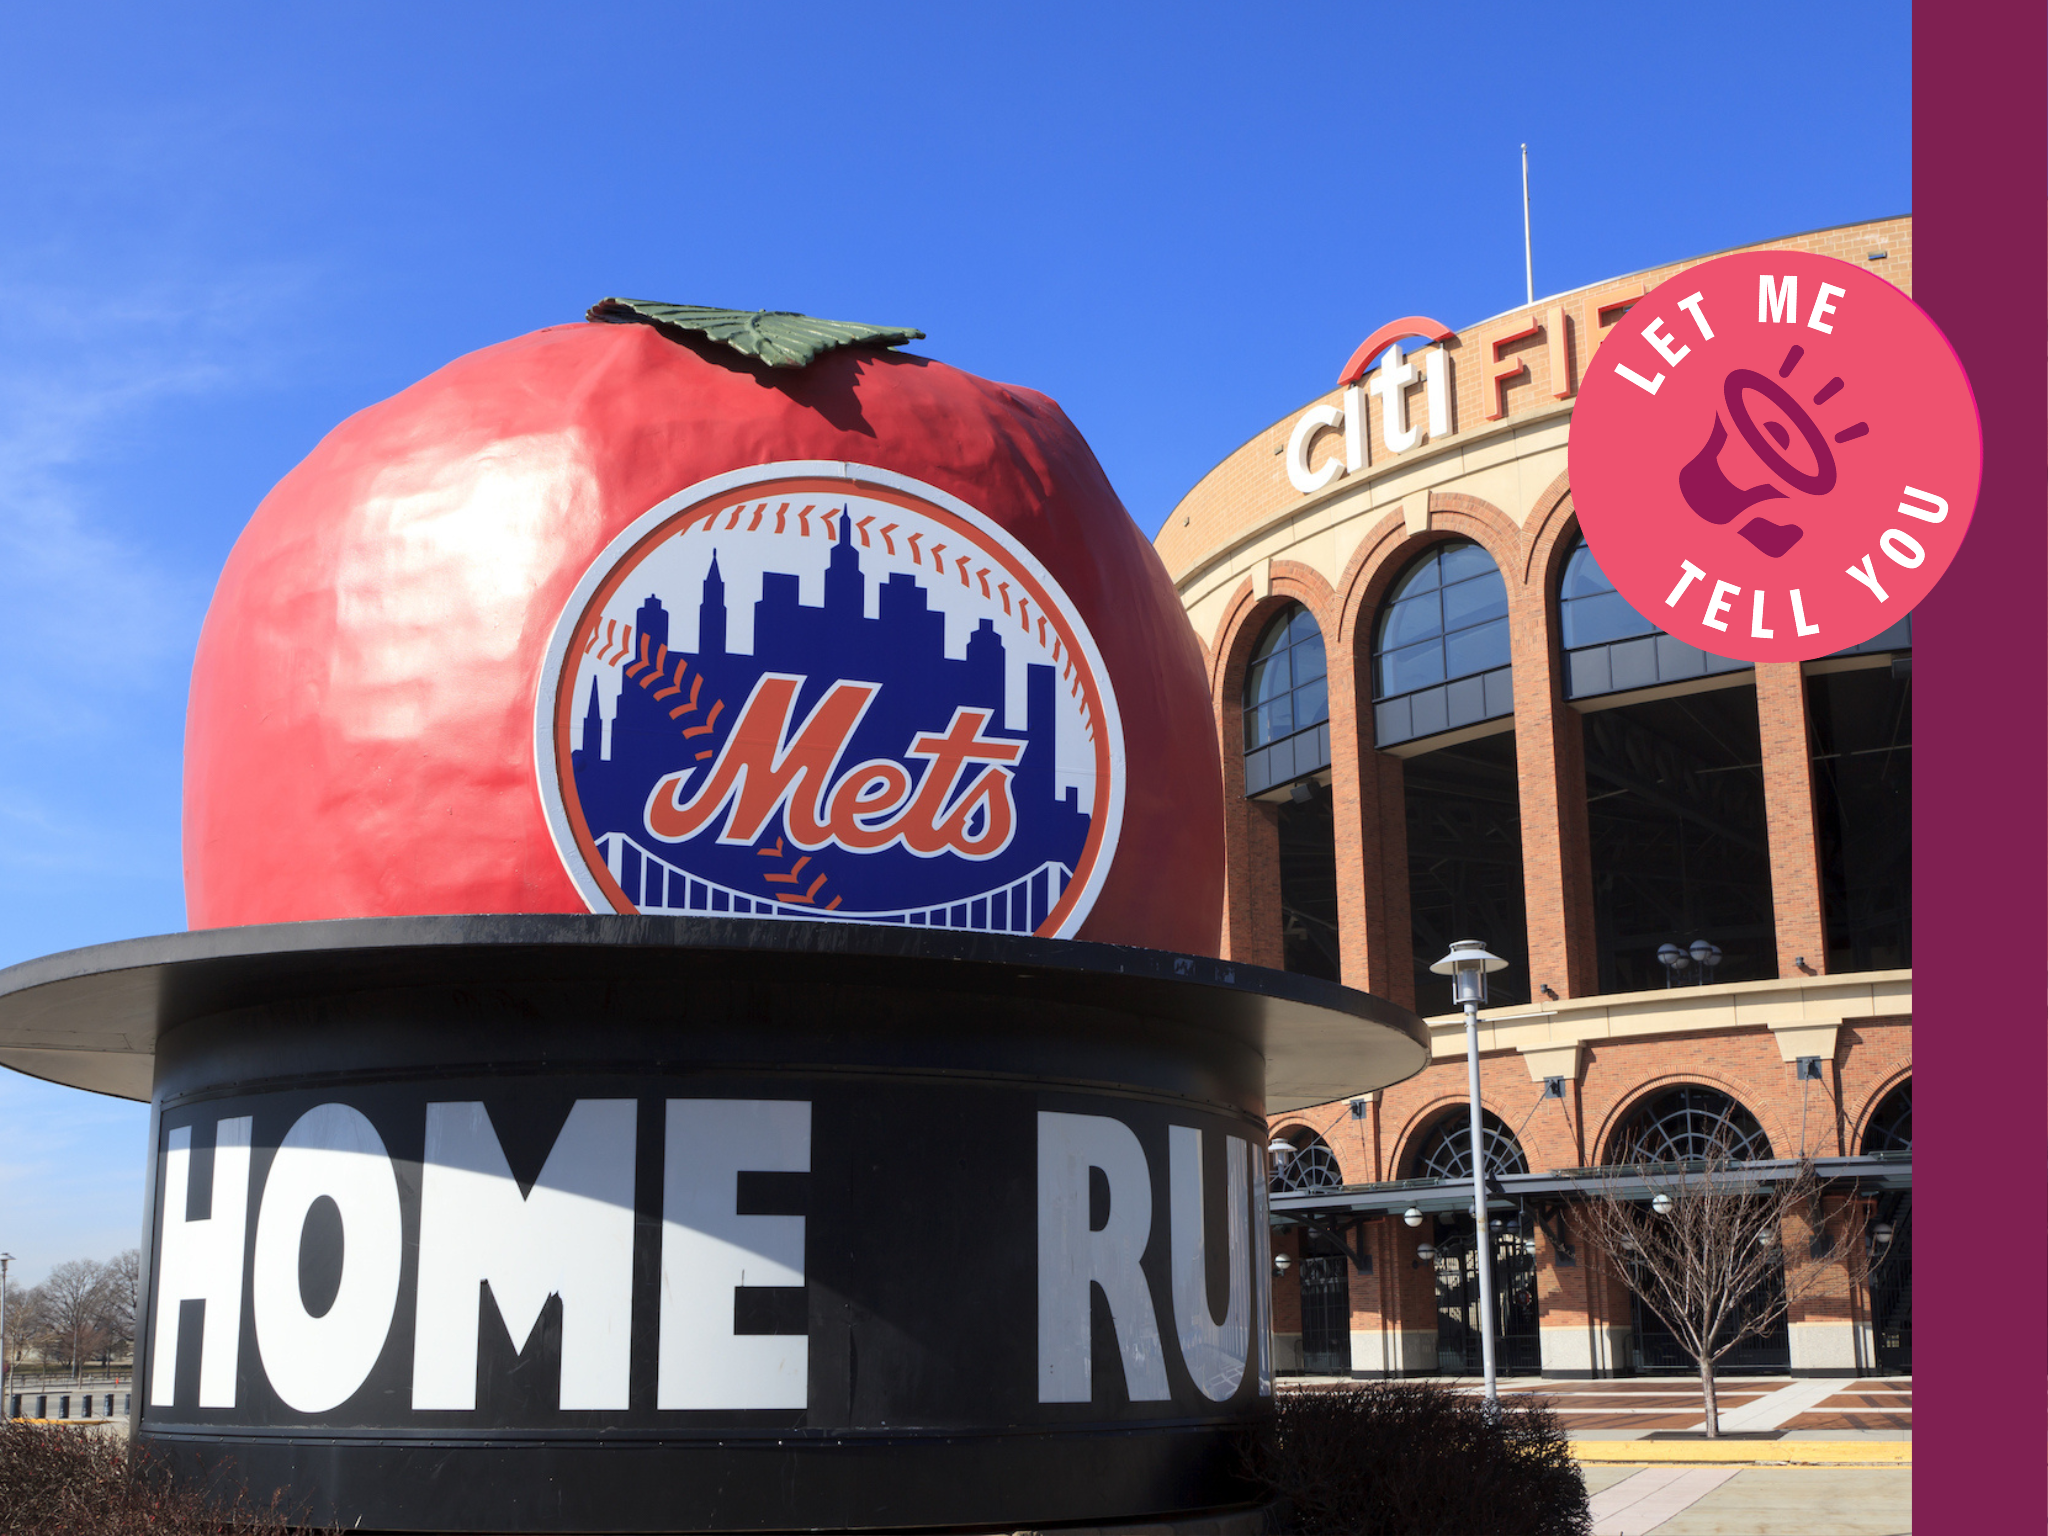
(1758, 1409)
(1796, 1456)
(1752, 1501)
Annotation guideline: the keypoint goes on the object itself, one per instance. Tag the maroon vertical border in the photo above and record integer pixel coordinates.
(1980, 815)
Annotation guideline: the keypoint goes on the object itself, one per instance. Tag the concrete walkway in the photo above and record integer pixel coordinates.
(1750, 1501)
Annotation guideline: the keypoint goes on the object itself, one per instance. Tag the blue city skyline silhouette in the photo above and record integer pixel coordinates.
(903, 650)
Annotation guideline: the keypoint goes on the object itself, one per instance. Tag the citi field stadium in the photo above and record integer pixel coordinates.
(1440, 720)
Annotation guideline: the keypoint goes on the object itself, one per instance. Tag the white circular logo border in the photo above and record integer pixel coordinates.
(546, 766)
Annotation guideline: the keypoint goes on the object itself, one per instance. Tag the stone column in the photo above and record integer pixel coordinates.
(1788, 811)
(1822, 1323)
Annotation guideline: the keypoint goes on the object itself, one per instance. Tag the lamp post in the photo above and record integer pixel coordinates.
(1468, 965)
(1282, 1153)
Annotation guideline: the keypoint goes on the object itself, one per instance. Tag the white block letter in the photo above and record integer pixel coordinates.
(1390, 382)
(571, 1237)
(1799, 616)
(1902, 547)
(1776, 304)
(1756, 619)
(709, 1250)
(1821, 307)
(1692, 574)
(1867, 574)
(1647, 386)
(317, 1363)
(1312, 421)
(1907, 509)
(1718, 604)
(1071, 1258)
(202, 1261)
(1354, 429)
(1436, 369)
(1215, 1355)
(1691, 305)
(1672, 355)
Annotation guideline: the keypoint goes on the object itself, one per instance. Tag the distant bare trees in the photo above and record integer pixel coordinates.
(1721, 1249)
(85, 1310)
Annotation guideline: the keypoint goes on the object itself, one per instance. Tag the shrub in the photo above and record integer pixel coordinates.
(1411, 1459)
(79, 1482)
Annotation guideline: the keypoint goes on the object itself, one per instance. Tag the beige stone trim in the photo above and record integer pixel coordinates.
(1784, 1007)
(1797, 1040)
(1553, 1060)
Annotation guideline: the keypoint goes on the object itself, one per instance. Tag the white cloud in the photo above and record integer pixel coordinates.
(78, 599)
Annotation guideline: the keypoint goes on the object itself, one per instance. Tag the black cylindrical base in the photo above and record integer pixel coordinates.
(735, 1227)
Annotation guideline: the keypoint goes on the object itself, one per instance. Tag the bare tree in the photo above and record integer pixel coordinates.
(1705, 1246)
(78, 1295)
(124, 1280)
(28, 1321)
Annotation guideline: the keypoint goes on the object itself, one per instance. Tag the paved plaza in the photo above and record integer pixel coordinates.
(1750, 1501)
(1782, 1407)
(1802, 1456)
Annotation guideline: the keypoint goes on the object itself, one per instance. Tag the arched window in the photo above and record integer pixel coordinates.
(1286, 704)
(1590, 611)
(1609, 647)
(1445, 1150)
(1441, 652)
(1689, 1123)
(1891, 1128)
(1311, 1165)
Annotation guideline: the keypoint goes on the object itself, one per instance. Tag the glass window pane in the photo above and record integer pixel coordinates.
(1266, 679)
(1279, 716)
(1311, 703)
(1273, 639)
(1583, 576)
(1477, 650)
(1463, 560)
(1599, 619)
(1474, 602)
(1423, 578)
(1309, 661)
(1269, 722)
(1302, 626)
(1417, 666)
(1411, 619)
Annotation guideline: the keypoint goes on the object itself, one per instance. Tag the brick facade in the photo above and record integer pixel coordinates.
(1242, 546)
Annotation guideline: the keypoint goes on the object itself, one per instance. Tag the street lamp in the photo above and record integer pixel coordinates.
(1674, 960)
(1706, 956)
(1468, 965)
(1412, 1216)
(1661, 1205)
(1281, 1152)
(1281, 1263)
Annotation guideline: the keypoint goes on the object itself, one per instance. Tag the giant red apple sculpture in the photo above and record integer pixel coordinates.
(689, 611)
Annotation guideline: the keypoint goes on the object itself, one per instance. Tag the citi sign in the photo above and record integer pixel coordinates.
(424, 1260)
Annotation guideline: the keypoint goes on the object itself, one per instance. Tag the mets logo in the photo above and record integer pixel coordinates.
(821, 690)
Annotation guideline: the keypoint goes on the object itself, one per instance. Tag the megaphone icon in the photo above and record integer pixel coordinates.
(1713, 496)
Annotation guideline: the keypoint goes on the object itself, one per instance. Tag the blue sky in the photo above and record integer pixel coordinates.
(223, 230)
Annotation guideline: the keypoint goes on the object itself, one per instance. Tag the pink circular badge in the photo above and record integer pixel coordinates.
(1775, 455)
